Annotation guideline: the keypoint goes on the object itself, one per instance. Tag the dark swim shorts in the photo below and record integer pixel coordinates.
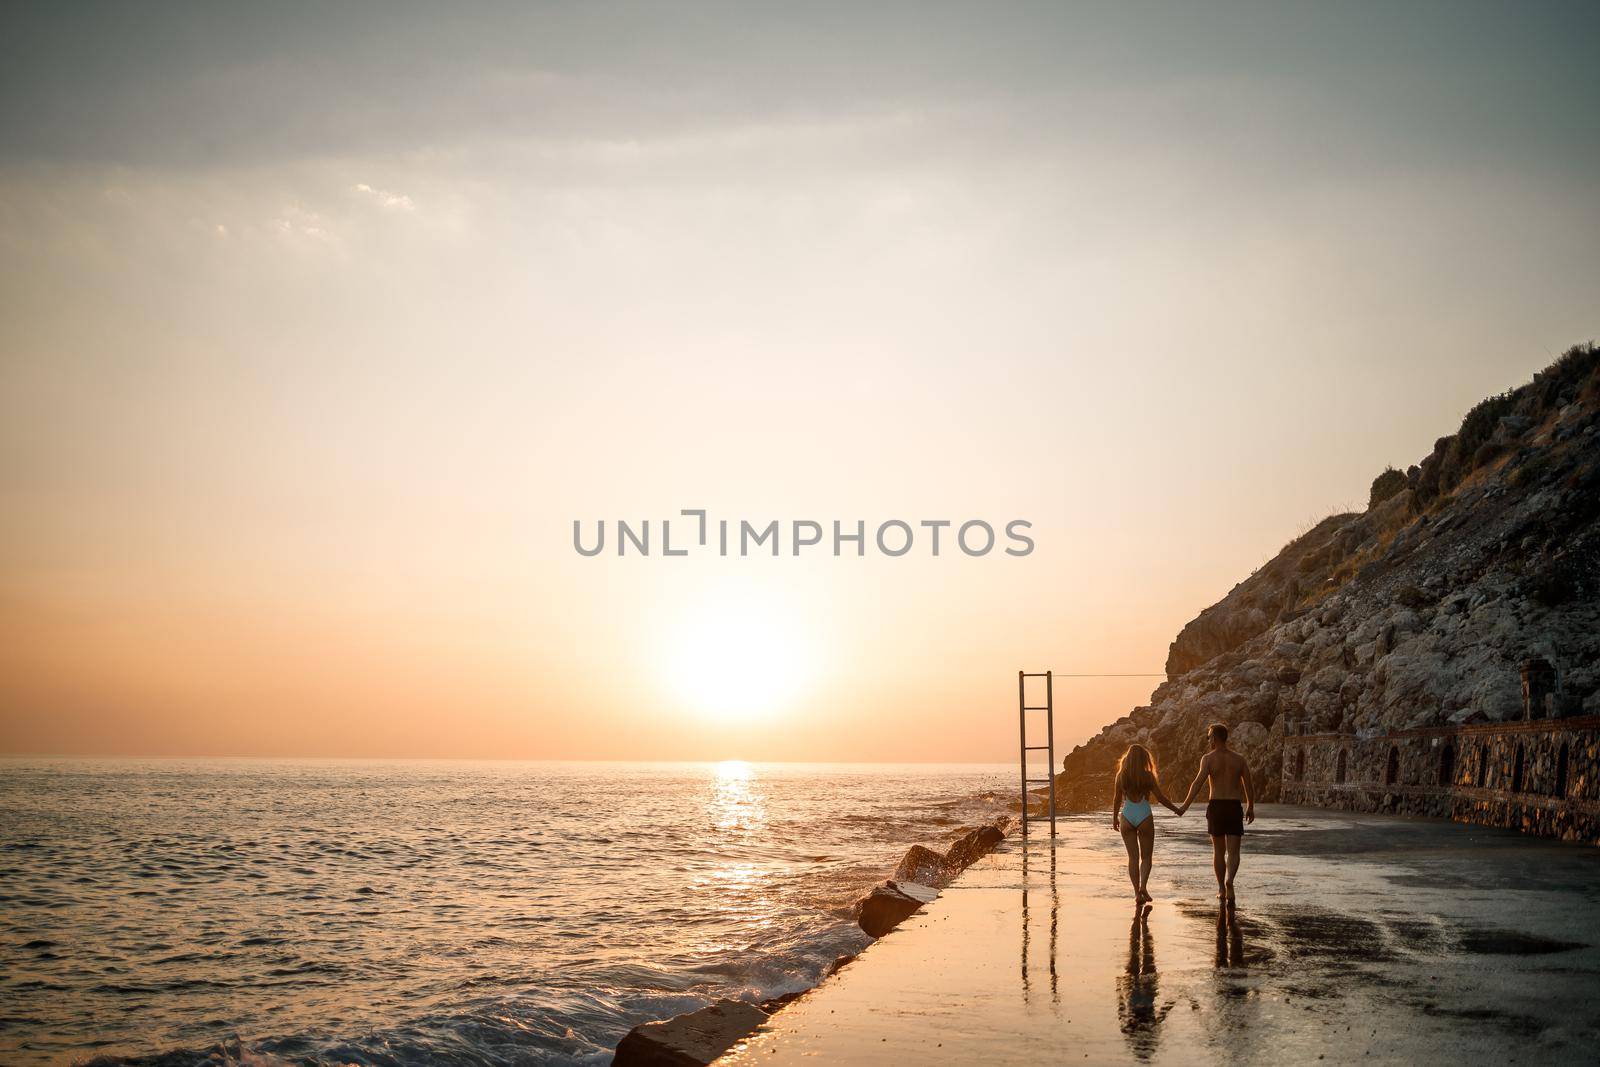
(1225, 818)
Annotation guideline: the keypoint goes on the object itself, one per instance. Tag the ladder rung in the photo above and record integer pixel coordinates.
(1040, 781)
(1035, 748)
(1041, 674)
(1041, 707)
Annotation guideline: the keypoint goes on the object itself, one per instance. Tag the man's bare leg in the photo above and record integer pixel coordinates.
(1234, 840)
(1219, 862)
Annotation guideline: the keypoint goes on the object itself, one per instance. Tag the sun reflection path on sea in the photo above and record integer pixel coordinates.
(735, 804)
(742, 875)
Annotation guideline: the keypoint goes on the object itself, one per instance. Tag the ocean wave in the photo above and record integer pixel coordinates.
(400, 915)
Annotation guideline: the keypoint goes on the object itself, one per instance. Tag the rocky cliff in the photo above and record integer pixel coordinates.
(1418, 611)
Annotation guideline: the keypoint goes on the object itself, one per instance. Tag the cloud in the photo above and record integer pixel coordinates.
(180, 86)
(297, 221)
(390, 201)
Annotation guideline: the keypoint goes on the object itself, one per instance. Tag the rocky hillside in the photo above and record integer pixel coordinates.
(1418, 611)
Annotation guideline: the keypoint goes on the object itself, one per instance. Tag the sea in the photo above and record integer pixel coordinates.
(183, 912)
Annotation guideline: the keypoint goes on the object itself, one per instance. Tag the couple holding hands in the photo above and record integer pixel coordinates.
(1229, 808)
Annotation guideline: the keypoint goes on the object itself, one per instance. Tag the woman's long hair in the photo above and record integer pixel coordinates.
(1136, 773)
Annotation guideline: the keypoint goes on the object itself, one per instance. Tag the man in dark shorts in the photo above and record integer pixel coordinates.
(1230, 807)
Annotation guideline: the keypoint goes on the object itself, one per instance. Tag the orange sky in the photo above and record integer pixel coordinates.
(296, 412)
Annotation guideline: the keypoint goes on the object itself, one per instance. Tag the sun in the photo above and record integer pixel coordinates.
(738, 658)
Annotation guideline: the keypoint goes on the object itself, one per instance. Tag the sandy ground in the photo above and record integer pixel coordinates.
(1356, 938)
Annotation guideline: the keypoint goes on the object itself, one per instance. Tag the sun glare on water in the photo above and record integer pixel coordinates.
(738, 658)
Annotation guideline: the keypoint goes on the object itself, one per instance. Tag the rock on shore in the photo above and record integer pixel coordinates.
(891, 904)
(923, 866)
(972, 846)
(1418, 611)
(920, 876)
(690, 1040)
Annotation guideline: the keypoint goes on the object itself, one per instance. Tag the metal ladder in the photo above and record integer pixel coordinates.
(1049, 747)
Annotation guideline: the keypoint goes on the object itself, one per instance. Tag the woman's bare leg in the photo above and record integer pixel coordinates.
(1147, 847)
(1130, 840)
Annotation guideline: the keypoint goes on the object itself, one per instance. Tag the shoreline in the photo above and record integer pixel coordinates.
(703, 1035)
(1356, 937)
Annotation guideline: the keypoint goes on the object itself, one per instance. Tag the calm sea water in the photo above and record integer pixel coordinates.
(430, 912)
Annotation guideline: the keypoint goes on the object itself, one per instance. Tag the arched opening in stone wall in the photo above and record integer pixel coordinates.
(1516, 771)
(1561, 771)
(1300, 765)
(1447, 764)
(1483, 764)
(1392, 774)
(1339, 772)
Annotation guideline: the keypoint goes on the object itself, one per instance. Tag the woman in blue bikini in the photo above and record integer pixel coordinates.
(1131, 814)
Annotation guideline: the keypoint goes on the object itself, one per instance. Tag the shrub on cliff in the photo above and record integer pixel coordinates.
(1575, 376)
(1429, 482)
(1578, 366)
(1480, 423)
(1385, 486)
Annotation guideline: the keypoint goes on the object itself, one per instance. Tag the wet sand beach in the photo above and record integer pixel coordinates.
(1355, 938)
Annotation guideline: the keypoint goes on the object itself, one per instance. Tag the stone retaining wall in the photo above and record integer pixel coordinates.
(1541, 776)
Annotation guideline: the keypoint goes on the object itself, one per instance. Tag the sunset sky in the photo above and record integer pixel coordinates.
(319, 326)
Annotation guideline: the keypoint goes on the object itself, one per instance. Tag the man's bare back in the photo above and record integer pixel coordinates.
(1224, 771)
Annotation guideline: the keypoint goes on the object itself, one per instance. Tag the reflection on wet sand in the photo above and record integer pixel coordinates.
(1055, 923)
(1230, 939)
(1138, 988)
(1237, 995)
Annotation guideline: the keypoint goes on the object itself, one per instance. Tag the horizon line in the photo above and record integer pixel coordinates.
(493, 759)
